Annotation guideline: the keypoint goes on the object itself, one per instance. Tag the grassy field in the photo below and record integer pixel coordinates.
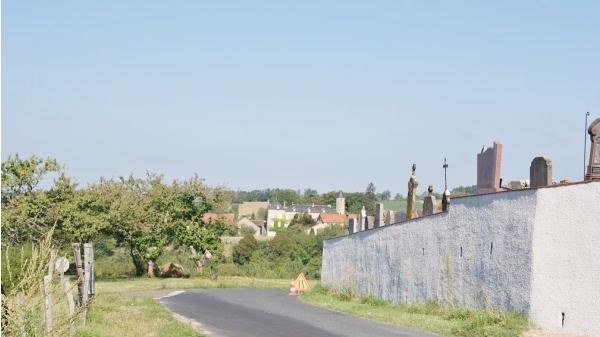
(400, 205)
(115, 308)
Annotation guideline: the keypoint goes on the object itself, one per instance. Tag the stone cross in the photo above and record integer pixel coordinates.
(593, 167)
(412, 191)
(540, 172)
(488, 169)
(429, 202)
(445, 177)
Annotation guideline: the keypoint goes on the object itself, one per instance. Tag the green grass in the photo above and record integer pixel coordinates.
(114, 315)
(400, 205)
(431, 317)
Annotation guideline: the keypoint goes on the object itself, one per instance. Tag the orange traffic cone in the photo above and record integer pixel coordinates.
(293, 290)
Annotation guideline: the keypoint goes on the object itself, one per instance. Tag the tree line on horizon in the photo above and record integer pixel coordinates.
(142, 215)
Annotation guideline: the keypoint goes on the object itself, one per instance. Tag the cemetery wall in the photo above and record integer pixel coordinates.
(531, 250)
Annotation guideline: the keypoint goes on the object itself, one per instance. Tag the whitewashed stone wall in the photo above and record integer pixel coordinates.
(532, 250)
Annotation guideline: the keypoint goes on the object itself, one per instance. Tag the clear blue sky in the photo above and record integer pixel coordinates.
(326, 95)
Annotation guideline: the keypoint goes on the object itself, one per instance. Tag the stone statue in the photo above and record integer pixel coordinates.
(412, 190)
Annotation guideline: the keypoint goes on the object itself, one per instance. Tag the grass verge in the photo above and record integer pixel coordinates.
(115, 315)
(431, 317)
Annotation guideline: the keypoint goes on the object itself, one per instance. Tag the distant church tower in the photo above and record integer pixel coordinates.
(340, 203)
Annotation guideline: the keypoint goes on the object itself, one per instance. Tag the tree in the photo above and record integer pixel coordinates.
(354, 202)
(385, 195)
(463, 190)
(399, 197)
(261, 214)
(243, 250)
(370, 199)
(309, 196)
(81, 214)
(327, 198)
(288, 196)
(147, 214)
(27, 211)
(302, 220)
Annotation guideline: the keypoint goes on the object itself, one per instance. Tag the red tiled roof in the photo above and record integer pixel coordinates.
(213, 217)
(331, 218)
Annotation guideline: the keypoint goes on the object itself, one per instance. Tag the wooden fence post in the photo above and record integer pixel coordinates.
(88, 255)
(48, 304)
(79, 267)
(67, 290)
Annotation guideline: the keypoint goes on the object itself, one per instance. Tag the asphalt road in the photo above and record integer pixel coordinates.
(270, 313)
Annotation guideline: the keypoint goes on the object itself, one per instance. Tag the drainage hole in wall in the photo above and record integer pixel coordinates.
(563, 320)
(423, 251)
(491, 248)
(460, 251)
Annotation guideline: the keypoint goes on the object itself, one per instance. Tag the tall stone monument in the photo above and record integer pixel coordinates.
(488, 169)
(411, 212)
(540, 172)
(363, 219)
(379, 218)
(429, 202)
(593, 167)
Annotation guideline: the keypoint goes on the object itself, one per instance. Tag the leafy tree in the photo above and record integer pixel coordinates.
(288, 196)
(399, 197)
(327, 198)
(261, 213)
(242, 251)
(354, 202)
(146, 215)
(281, 246)
(247, 230)
(303, 220)
(463, 190)
(370, 199)
(385, 195)
(309, 196)
(27, 211)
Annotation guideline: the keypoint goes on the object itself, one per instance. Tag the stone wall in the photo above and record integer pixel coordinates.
(532, 250)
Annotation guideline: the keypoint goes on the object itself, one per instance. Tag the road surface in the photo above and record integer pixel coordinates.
(270, 313)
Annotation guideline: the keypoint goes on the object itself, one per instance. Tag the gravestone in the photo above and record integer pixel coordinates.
(446, 201)
(390, 218)
(429, 202)
(488, 169)
(362, 219)
(593, 167)
(540, 172)
(379, 220)
(352, 228)
(368, 223)
(401, 216)
(412, 191)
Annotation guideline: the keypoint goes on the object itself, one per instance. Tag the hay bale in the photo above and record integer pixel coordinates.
(172, 270)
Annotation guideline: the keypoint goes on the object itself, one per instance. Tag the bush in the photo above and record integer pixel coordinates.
(229, 269)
